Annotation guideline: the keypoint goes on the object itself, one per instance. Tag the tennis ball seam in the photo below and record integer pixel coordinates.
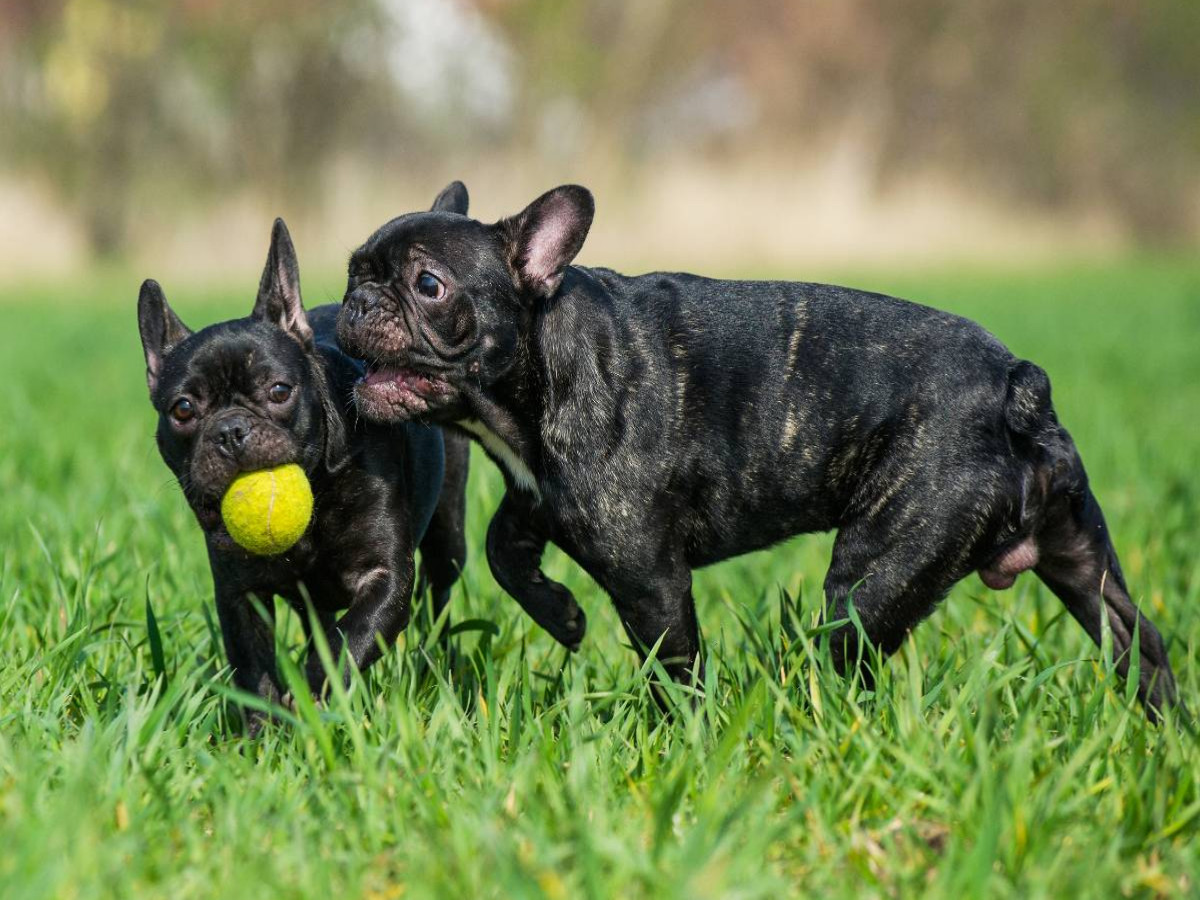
(271, 506)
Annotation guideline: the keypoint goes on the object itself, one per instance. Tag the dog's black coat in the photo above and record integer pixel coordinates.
(379, 491)
(649, 425)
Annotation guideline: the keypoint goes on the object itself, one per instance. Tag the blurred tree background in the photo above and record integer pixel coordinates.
(127, 115)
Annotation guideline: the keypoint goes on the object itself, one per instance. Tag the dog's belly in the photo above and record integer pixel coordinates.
(747, 520)
(710, 549)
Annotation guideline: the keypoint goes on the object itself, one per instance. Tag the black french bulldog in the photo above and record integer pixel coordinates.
(649, 425)
(274, 388)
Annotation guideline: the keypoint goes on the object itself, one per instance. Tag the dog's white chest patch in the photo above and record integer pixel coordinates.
(500, 450)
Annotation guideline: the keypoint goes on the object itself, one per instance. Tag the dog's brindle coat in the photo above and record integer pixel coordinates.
(649, 425)
(274, 388)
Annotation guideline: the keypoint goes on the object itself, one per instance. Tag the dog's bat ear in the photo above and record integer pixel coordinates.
(546, 236)
(160, 328)
(279, 290)
(453, 198)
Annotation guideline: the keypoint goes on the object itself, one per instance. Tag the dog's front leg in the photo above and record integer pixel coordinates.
(379, 613)
(653, 597)
(249, 647)
(515, 543)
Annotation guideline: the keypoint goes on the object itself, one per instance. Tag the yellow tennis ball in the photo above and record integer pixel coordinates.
(267, 511)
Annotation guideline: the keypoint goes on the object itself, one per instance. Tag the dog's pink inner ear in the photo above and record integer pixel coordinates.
(285, 302)
(544, 254)
(160, 329)
(279, 290)
(153, 369)
(552, 231)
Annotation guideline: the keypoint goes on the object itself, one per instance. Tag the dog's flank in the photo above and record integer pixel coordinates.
(670, 421)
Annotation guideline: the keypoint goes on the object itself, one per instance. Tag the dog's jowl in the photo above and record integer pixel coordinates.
(649, 425)
(272, 389)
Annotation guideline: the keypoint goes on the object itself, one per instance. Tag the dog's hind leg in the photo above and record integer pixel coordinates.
(1077, 562)
(897, 560)
(894, 579)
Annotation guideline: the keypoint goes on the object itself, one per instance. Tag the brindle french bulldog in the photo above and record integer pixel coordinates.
(648, 425)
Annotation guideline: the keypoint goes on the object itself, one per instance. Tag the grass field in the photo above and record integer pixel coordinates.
(998, 756)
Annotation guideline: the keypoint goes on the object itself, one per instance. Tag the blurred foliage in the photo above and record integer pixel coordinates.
(1078, 103)
(1072, 102)
(123, 104)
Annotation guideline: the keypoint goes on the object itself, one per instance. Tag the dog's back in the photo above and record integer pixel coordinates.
(742, 387)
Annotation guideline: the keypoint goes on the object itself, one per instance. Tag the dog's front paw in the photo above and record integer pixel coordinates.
(254, 722)
(570, 629)
(288, 702)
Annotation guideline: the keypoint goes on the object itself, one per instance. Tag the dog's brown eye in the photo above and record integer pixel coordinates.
(429, 286)
(183, 410)
(279, 392)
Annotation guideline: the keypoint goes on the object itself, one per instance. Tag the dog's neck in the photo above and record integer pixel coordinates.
(505, 422)
(504, 454)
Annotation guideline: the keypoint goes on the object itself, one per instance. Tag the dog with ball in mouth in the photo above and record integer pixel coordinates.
(297, 496)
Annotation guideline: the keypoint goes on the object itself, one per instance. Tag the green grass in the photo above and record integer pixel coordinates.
(998, 757)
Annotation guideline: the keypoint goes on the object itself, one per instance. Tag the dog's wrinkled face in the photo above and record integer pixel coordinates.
(240, 395)
(437, 303)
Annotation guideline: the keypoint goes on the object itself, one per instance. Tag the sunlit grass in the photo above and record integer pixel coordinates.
(997, 757)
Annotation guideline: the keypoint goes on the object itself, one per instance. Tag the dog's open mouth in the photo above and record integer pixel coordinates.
(404, 379)
(388, 393)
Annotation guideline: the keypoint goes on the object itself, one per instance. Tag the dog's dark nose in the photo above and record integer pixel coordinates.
(360, 301)
(231, 435)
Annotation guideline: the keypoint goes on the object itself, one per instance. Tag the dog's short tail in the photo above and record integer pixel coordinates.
(1028, 411)
(1037, 435)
